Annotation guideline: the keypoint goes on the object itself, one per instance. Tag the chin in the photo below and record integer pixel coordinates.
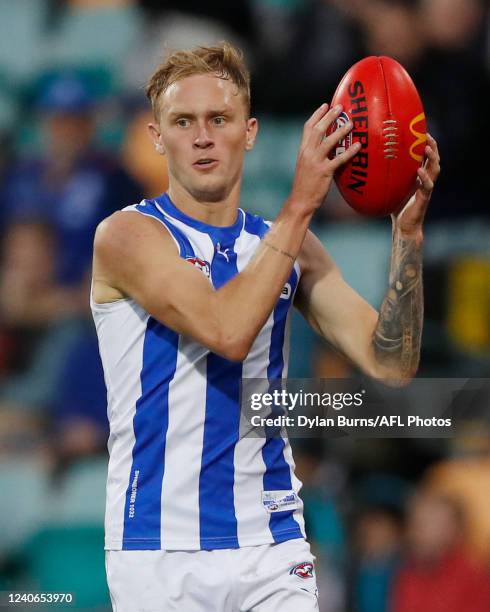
(210, 193)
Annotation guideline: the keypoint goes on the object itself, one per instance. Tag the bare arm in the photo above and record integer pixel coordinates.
(384, 345)
(398, 334)
(135, 256)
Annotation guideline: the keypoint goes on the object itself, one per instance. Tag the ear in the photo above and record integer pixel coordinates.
(156, 136)
(252, 129)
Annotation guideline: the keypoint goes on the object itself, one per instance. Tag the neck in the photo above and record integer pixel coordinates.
(221, 213)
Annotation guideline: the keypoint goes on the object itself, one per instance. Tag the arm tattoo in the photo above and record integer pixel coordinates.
(274, 248)
(398, 333)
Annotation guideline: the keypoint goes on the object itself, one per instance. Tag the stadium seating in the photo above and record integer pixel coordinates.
(87, 37)
(21, 38)
(24, 483)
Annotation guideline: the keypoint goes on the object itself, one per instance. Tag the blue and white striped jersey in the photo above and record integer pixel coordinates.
(181, 475)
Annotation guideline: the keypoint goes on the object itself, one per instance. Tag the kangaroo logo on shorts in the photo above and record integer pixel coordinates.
(200, 265)
(303, 570)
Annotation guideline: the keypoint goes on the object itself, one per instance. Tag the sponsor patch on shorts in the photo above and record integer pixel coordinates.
(278, 501)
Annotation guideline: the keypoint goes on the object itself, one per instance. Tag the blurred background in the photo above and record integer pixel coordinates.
(397, 525)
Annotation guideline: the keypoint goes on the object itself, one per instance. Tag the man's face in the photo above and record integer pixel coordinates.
(69, 133)
(204, 131)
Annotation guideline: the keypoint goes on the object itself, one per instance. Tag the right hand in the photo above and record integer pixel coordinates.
(314, 169)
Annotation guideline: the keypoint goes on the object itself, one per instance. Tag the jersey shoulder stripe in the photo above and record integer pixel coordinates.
(149, 208)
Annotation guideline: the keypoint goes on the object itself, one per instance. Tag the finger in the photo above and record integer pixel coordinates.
(433, 144)
(318, 114)
(432, 162)
(338, 135)
(312, 121)
(320, 128)
(426, 180)
(344, 157)
(431, 153)
(431, 140)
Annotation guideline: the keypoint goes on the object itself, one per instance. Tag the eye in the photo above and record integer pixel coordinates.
(219, 120)
(183, 123)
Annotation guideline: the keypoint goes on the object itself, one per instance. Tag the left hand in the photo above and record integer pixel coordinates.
(410, 218)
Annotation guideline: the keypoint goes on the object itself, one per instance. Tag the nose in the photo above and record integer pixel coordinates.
(203, 138)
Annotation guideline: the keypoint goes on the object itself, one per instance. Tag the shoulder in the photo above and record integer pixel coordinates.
(126, 230)
(255, 224)
(127, 247)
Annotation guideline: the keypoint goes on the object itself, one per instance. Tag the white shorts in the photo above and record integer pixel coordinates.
(265, 578)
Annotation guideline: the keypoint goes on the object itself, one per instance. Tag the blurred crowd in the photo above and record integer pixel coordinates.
(397, 525)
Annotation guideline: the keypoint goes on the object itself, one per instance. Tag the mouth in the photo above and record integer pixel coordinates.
(205, 163)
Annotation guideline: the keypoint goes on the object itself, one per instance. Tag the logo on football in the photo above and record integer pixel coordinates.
(346, 142)
(200, 265)
(303, 570)
(420, 137)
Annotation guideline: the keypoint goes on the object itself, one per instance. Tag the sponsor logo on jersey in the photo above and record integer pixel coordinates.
(223, 252)
(303, 570)
(200, 265)
(277, 501)
(420, 138)
(286, 292)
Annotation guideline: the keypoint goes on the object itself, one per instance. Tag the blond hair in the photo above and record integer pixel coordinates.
(223, 60)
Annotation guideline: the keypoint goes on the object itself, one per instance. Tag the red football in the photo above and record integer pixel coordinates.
(379, 97)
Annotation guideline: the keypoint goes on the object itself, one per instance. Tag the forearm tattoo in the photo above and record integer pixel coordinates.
(398, 333)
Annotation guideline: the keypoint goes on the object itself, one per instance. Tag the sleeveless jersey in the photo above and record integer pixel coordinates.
(181, 475)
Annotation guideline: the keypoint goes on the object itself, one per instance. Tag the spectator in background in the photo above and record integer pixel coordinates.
(177, 24)
(51, 206)
(29, 294)
(71, 188)
(39, 338)
(26, 275)
(322, 483)
(237, 15)
(79, 410)
(377, 502)
(305, 49)
(392, 27)
(378, 535)
(454, 25)
(465, 477)
(438, 574)
(140, 158)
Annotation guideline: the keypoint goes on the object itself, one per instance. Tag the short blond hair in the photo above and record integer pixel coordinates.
(224, 60)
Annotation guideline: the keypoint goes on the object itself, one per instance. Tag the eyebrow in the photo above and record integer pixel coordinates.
(226, 110)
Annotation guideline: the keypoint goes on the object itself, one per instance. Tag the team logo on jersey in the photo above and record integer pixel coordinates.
(200, 265)
(303, 570)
